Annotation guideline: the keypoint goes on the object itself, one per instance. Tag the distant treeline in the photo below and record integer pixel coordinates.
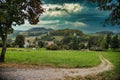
(69, 39)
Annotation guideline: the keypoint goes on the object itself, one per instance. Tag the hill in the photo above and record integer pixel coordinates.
(39, 29)
(31, 32)
(105, 32)
(66, 32)
(35, 32)
(14, 34)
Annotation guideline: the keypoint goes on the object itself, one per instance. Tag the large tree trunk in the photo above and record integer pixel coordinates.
(4, 47)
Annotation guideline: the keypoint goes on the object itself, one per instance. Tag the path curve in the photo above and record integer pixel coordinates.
(53, 73)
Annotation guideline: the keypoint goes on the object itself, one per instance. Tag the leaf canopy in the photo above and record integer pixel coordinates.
(15, 12)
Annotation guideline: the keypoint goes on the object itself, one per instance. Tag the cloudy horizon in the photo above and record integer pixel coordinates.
(73, 14)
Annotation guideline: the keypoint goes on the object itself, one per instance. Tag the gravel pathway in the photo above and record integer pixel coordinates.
(52, 73)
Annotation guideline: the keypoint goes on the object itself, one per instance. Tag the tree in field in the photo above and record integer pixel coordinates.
(110, 5)
(40, 44)
(73, 45)
(115, 42)
(108, 41)
(16, 12)
(20, 41)
(93, 41)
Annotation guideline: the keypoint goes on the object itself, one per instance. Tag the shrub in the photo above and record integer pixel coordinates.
(0, 44)
(81, 46)
(52, 47)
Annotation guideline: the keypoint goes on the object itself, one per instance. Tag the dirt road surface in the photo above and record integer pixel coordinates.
(52, 73)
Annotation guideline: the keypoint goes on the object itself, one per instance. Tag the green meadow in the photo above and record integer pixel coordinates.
(114, 58)
(66, 59)
(58, 58)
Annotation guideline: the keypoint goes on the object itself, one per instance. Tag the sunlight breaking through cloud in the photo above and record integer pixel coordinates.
(62, 9)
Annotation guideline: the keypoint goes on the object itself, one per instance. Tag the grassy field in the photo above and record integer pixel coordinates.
(66, 58)
(60, 58)
(114, 74)
(113, 57)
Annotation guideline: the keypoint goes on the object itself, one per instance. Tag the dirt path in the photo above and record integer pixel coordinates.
(53, 73)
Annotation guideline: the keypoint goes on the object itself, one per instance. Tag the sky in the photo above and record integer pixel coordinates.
(72, 14)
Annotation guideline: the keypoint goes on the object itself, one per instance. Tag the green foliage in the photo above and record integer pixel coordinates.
(96, 43)
(67, 39)
(108, 41)
(67, 32)
(93, 41)
(20, 41)
(115, 42)
(14, 12)
(73, 45)
(2, 19)
(103, 45)
(82, 46)
(72, 42)
(0, 44)
(9, 43)
(40, 44)
(47, 37)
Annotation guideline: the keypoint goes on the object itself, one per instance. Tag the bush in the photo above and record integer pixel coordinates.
(0, 44)
(52, 47)
(65, 47)
(40, 44)
(81, 46)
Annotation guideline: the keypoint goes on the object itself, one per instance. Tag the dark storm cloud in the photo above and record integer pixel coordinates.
(75, 14)
(63, 1)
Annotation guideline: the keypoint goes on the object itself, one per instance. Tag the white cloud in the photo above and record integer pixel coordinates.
(42, 22)
(55, 13)
(61, 9)
(76, 24)
(72, 8)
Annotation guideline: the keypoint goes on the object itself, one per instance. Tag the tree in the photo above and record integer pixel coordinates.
(40, 44)
(93, 41)
(20, 41)
(119, 42)
(73, 45)
(103, 45)
(110, 5)
(16, 12)
(115, 42)
(108, 41)
(82, 46)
